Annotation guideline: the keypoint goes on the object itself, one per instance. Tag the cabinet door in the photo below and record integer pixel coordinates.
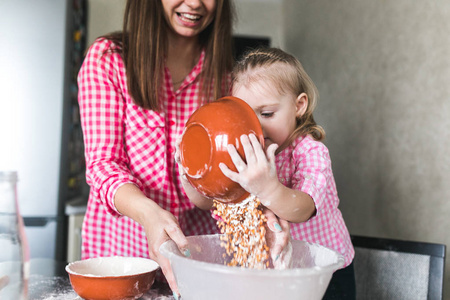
(74, 240)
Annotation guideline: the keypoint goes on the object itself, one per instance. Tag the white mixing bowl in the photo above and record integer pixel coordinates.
(204, 275)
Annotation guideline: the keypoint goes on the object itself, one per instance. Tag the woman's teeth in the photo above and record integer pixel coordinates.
(189, 17)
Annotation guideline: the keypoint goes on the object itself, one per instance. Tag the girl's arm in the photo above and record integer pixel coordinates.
(198, 199)
(194, 196)
(259, 177)
(296, 206)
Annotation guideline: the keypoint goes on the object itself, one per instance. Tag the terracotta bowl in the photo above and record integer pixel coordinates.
(111, 278)
(204, 145)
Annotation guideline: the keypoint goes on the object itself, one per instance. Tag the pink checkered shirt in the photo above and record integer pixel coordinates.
(306, 166)
(125, 143)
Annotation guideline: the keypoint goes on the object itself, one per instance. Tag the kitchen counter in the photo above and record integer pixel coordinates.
(49, 281)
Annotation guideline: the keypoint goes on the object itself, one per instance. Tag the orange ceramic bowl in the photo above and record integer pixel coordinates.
(204, 145)
(111, 278)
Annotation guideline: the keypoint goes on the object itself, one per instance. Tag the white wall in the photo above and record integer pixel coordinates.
(254, 17)
(383, 70)
(260, 18)
(104, 16)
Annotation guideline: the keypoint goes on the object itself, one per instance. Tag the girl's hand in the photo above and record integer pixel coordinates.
(278, 239)
(259, 175)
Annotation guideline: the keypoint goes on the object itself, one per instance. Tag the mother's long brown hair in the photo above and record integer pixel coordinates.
(143, 45)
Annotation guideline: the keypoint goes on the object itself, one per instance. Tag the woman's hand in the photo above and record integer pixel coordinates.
(278, 238)
(159, 226)
(259, 175)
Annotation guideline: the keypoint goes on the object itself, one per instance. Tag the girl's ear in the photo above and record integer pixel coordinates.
(301, 104)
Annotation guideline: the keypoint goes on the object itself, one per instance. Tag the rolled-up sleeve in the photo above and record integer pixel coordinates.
(102, 111)
(306, 166)
(314, 166)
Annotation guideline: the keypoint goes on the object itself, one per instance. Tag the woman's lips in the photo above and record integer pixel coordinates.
(188, 19)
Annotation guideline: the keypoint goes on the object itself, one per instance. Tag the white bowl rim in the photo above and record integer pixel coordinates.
(239, 271)
(153, 266)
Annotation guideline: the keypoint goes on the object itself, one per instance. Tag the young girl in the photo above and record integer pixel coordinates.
(292, 176)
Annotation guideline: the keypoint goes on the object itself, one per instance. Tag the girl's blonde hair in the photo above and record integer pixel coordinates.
(287, 75)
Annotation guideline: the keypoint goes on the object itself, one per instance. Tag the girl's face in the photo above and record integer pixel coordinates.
(276, 112)
(189, 18)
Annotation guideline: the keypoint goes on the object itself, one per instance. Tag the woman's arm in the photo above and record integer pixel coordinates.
(159, 225)
(102, 107)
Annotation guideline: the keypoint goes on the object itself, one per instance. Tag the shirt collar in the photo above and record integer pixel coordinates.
(195, 72)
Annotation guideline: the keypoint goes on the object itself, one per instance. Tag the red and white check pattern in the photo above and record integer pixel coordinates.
(125, 143)
(306, 166)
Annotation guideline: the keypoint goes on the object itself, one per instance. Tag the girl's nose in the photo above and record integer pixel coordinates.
(264, 132)
(261, 121)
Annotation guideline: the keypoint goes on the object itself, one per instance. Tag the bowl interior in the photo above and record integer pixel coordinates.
(197, 150)
(112, 266)
(208, 132)
(204, 273)
(207, 252)
(112, 278)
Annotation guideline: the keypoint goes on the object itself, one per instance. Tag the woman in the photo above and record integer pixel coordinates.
(137, 89)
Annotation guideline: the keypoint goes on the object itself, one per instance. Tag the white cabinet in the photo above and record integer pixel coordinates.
(74, 238)
(75, 210)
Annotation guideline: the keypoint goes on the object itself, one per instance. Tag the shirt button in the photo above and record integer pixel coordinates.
(171, 150)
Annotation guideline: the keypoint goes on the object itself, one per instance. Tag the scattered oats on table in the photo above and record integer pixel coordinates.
(244, 233)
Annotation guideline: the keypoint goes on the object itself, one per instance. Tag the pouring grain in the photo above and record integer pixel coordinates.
(243, 233)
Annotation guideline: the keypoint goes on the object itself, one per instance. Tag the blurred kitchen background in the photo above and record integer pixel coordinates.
(382, 69)
(42, 48)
